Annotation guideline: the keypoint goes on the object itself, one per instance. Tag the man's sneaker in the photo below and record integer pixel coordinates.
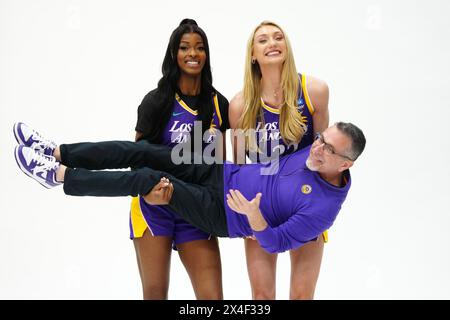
(31, 138)
(38, 166)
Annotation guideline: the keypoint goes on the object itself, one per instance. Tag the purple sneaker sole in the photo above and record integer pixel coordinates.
(17, 135)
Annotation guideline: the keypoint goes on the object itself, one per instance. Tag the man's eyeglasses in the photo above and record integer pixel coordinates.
(328, 148)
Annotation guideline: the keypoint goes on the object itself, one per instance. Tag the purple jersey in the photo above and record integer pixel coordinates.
(159, 220)
(181, 123)
(268, 129)
(297, 203)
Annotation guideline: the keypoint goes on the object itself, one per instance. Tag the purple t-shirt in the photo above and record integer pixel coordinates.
(296, 202)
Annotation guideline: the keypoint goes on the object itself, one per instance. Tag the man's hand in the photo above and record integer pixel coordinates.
(237, 202)
(160, 194)
(240, 204)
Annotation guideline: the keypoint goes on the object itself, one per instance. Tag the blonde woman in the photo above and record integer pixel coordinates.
(285, 109)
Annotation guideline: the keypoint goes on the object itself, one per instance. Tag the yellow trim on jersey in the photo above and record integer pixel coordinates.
(216, 104)
(306, 95)
(138, 222)
(270, 109)
(325, 236)
(184, 105)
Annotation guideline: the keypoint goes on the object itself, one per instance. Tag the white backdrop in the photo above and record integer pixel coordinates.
(77, 70)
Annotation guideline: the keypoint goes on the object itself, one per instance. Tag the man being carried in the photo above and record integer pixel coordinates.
(286, 209)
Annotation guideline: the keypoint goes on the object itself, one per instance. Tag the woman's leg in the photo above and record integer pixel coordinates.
(261, 267)
(153, 258)
(201, 258)
(305, 268)
(149, 226)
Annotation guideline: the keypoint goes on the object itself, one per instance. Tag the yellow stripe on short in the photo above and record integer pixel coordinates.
(138, 222)
(325, 236)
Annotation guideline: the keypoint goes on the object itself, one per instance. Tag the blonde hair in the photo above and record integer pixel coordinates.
(292, 128)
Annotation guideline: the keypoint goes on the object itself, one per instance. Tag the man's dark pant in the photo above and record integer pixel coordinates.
(198, 188)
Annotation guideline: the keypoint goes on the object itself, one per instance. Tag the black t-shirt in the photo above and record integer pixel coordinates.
(191, 101)
(144, 114)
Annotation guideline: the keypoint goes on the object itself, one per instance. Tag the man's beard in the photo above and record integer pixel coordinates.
(310, 165)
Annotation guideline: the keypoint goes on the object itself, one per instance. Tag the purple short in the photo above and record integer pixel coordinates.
(161, 222)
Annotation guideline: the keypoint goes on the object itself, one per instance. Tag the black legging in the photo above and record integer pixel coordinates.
(198, 188)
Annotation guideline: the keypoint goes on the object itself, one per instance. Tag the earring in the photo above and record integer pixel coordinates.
(253, 60)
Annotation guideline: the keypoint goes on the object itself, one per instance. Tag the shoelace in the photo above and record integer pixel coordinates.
(44, 162)
(42, 143)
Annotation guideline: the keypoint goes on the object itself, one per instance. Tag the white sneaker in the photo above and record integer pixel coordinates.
(31, 138)
(38, 166)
